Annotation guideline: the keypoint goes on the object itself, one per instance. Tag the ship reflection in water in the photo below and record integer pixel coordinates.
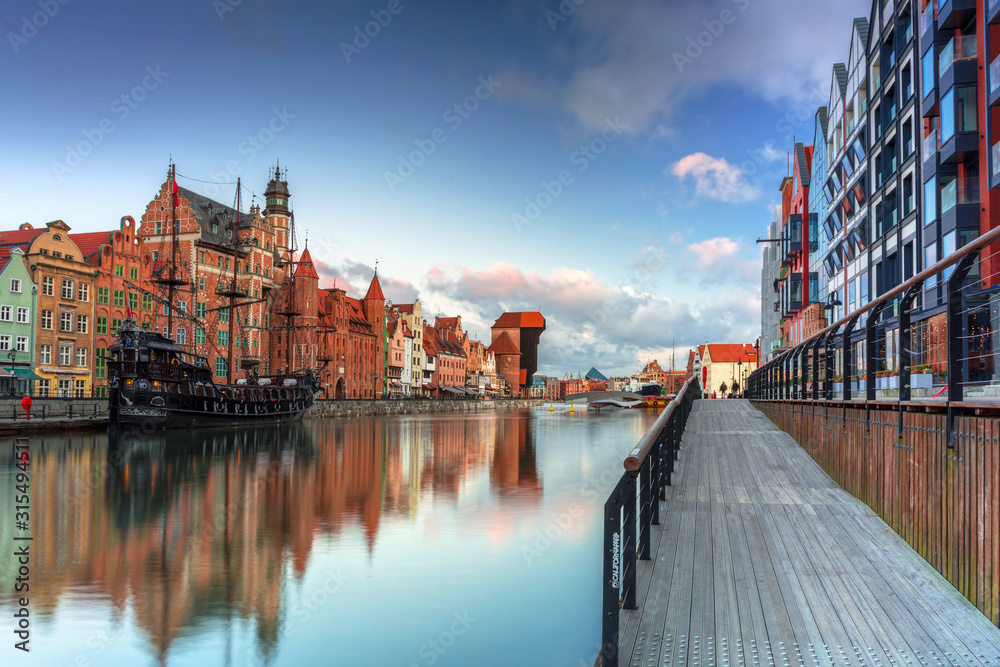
(340, 542)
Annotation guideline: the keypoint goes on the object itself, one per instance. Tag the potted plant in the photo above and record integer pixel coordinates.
(921, 376)
(892, 379)
(838, 384)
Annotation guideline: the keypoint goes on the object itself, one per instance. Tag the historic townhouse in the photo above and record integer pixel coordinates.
(64, 347)
(410, 313)
(18, 296)
(122, 286)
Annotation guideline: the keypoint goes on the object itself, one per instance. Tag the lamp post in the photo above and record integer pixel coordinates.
(12, 355)
(739, 372)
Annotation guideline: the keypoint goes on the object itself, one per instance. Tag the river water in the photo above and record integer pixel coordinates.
(411, 540)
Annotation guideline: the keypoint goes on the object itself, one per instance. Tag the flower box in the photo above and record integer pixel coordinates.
(838, 387)
(892, 382)
(921, 380)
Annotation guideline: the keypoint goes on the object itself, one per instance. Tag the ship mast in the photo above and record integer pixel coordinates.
(234, 288)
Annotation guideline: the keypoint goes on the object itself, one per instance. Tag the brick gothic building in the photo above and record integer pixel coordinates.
(515, 346)
(118, 256)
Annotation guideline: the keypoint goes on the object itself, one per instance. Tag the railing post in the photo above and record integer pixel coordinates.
(796, 375)
(906, 341)
(646, 501)
(956, 330)
(629, 544)
(828, 362)
(815, 371)
(871, 331)
(849, 366)
(612, 579)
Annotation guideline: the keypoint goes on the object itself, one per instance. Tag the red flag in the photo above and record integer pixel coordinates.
(128, 310)
(174, 191)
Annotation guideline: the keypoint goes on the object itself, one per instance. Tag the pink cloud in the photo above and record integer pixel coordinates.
(715, 178)
(712, 251)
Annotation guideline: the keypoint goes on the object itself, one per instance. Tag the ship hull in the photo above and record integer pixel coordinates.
(150, 418)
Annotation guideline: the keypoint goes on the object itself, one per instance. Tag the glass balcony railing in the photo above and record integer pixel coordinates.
(992, 4)
(995, 73)
(888, 13)
(995, 155)
(930, 144)
(960, 47)
(959, 191)
(927, 18)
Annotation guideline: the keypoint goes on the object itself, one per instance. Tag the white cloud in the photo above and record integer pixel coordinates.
(715, 178)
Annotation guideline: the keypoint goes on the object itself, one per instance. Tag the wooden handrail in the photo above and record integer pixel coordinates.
(635, 458)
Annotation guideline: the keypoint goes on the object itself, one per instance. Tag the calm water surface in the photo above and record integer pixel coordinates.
(415, 540)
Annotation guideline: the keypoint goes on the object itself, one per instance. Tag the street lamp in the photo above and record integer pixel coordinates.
(12, 355)
(739, 372)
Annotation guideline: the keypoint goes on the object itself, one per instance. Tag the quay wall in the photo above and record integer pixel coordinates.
(943, 501)
(327, 409)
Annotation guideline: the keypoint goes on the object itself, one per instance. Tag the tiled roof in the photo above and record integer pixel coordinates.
(404, 308)
(90, 244)
(504, 345)
(527, 320)
(305, 268)
(375, 290)
(16, 237)
(200, 205)
(731, 353)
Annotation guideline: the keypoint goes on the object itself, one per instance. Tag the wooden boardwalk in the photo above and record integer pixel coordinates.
(761, 559)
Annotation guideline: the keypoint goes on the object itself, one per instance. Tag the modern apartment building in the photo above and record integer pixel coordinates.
(770, 319)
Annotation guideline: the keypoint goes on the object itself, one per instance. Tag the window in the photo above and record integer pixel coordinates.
(200, 308)
(22, 344)
(101, 362)
(119, 298)
(220, 366)
(4, 342)
(133, 300)
(156, 254)
(224, 315)
(102, 296)
(68, 288)
(201, 257)
(65, 354)
(81, 388)
(66, 321)
(222, 338)
(147, 302)
(927, 70)
(83, 293)
(43, 387)
(64, 387)
(958, 112)
(15, 285)
(199, 336)
(81, 324)
(201, 284)
(930, 258)
(81, 356)
(45, 354)
(116, 323)
(181, 336)
(6, 313)
(47, 319)
(133, 273)
(930, 201)
(102, 326)
(48, 283)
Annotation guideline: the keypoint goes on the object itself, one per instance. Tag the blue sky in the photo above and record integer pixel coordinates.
(609, 163)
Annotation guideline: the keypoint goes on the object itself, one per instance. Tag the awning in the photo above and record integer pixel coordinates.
(26, 374)
(430, 387)
(451, 390)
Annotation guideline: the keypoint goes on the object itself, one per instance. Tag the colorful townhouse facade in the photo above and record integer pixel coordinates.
(18, 297)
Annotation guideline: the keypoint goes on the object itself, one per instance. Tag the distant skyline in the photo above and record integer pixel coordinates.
(607, 163)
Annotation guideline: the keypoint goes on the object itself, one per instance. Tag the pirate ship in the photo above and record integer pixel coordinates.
(157, 379)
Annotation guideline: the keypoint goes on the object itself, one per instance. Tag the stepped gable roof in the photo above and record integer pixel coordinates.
(526, 320)
(22, 236)
(731, 353)
(305, 268)
(594, 374)
(90, 244)
(431, 347)
(504, 345)
(447, 322)
(375, 290)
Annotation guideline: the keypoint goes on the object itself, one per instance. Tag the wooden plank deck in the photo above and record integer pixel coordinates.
(761, 559)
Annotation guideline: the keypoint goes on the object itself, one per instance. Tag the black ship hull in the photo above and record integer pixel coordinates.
(150, 418)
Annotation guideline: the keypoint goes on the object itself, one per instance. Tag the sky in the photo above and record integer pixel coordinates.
(609, 163)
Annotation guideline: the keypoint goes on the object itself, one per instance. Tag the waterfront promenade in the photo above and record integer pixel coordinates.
(762, 559)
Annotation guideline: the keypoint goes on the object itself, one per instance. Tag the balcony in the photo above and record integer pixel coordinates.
(994, 82)
(995, 164)
(959, 146)
(888, 13)
(993, 11)
(960, 204)
(927, 26)
(953, 13)
(957, 61)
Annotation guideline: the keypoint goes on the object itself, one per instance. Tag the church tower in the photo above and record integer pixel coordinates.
(374, 306)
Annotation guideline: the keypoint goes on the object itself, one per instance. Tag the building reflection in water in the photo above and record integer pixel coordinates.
(193, 528)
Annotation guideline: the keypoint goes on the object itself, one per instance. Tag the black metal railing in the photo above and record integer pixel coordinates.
(941, 326)
(633, 507)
